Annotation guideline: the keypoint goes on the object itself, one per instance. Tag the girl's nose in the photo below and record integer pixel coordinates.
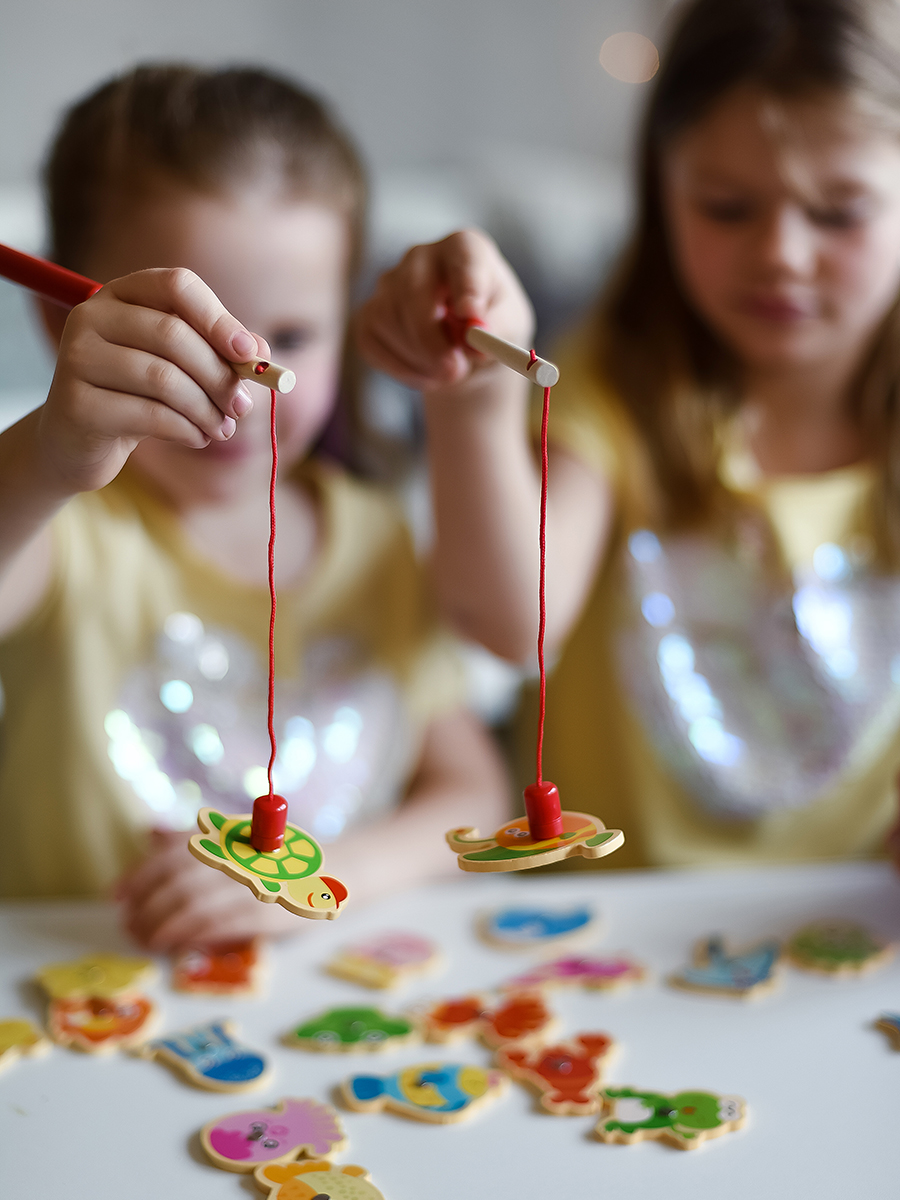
(787, 241)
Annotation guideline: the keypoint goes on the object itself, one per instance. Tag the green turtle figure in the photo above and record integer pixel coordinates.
(352, 1029)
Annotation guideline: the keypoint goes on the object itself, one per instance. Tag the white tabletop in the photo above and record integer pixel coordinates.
(823, 1088)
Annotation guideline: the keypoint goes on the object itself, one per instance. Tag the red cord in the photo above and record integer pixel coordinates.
(545, 417)
(274, 476)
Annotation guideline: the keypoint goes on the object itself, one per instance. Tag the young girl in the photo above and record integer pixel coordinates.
(134, 521)
(724, 509)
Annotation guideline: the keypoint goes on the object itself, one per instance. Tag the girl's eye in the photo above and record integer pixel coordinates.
(837, 218)
(726, 211)
(290, 338)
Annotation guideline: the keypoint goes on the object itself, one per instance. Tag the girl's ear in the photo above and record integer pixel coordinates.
(53, 317)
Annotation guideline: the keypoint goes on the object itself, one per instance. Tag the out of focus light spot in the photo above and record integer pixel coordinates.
(340, 738)
(213, 661)
(830, 563)
(183, 627)
(329, 822)
(826, 621)
(629, 57)
(176, 695)
(644, 546)
(714, 743)
(205, 742)
(658, 609)
(256, 782)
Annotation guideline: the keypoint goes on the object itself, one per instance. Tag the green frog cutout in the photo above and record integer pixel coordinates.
(685, 1120)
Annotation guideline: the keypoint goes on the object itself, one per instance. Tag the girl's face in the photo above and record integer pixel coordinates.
(785, 228)
(280, 266)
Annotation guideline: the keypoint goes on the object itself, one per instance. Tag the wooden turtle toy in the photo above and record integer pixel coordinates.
(286, 876)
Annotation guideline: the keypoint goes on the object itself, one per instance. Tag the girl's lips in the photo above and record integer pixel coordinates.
(777, 308)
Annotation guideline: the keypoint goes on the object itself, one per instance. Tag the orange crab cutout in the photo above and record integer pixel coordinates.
(521, 1017)
(315, 1180)
(567, 1076)
(101, 1025)
(512, 847)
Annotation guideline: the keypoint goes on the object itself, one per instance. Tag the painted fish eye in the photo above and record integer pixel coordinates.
(270, 1144)
(373, 1035)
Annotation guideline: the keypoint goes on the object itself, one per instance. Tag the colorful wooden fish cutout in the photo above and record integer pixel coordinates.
(98, 975)
(243, 1141)
(227, 970)
(837, 948)
(316, 1181)
(889, 1024)
(352, 1029)
(288, 876)
(438, 1092)
(385, 960)
(101, 1025)
(746, 975)
(513, 849)
(521, 1017)
(530, 927)
(684, 1120)
(598, 974)
(209, 1057)
(19, 1038)
(567, 1075)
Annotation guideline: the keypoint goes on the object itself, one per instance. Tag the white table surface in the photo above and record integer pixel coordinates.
(822, 1086)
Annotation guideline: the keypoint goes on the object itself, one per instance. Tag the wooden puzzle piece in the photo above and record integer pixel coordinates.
(316, 1181)
(531, 927)
(512, 848)
(20, 1038)
(746, 975)
(352, 1029)
(837, 948)
(227, 970)
(520, 1017)
(442, 1093)
(95, 975)
(685, 1120)
(243, 1141)
(889, 1024)
(209, 1057)
(101, 1025)
(566, 1076)
(597, 974)
(288, 876)
(385, 959)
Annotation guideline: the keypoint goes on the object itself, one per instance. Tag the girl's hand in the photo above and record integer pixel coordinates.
(147, 356)
(399, 329)
(171, 900)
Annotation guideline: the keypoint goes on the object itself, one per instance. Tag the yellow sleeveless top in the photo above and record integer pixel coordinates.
(136, 692)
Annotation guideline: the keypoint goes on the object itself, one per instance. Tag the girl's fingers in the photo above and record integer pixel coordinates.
(138, 417)
(470, 261)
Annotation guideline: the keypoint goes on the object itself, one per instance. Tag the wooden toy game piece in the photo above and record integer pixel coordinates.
(352, 1029)
(442, 1093)
(233, 969)
(386, 960)
(243, 1141)
(889, 1024)
(316, 1181)
(209, 1057)
(522, 1017)
(287, 876)
(596, 974)
(530, 927)
(102, 976)
(567, 1075)
(837, 948)
(747, 975)
(545, 834)
(20, 1038)
(101, 1025)
(684, 1120)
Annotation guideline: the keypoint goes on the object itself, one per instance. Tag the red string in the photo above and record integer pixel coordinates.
(274, 476)
(545, 417)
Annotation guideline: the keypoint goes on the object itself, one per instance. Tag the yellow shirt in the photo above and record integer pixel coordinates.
(137, 691)
(713, 714)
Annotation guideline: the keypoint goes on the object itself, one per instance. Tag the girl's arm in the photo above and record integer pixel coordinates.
(173, 900)
(485, 478)
(147, 356)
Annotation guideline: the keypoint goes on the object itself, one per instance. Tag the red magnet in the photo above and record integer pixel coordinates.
(543, 811)
(270, 815)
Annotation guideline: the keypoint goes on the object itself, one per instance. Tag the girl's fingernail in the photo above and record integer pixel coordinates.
(243, 401)
(244, 344)
(229, 425)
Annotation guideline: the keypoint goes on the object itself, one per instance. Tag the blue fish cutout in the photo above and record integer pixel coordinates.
(715, 970)
(528, 926)
(210, 1057)
(440, 1092)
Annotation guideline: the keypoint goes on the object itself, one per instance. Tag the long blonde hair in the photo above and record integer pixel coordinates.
(676, 378)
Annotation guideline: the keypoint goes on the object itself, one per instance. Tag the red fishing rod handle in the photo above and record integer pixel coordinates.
(46, 279)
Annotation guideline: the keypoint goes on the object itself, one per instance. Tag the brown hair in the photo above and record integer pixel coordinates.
(677, 394)
(200, 128)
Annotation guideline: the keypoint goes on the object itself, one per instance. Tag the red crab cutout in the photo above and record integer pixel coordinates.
(567, 1076)
(520, 1017)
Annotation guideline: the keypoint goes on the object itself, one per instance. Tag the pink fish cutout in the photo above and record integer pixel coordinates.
(594, 973)
(241, 1141)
